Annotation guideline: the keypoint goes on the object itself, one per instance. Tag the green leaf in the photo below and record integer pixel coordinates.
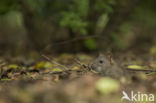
(90, 43)
(13, 66)
(57, 70)
(48, 65)
(40, 65)
(135, 67)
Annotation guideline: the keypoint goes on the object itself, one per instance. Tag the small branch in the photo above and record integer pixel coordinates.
(142, 70)
(1, 69)
(78, 62)
(52, 61)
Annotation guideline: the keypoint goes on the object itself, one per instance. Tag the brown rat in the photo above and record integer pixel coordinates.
(104, 66)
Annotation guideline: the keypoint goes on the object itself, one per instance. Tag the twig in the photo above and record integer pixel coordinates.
(143, 70)
(52, 61)
(1, 69)
(78, 62)
(76, 39)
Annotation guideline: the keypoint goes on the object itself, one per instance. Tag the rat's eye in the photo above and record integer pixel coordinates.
(101, 61)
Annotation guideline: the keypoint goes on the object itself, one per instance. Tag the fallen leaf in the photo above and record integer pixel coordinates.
(135, 67)
(13, 66)
(57, 70)
(107, 85)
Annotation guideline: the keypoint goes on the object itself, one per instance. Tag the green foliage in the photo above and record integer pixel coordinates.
(74, 18)
(13, 19)
(104, 5)
(145, 13)
(35, 5)
(126, 28)
(116, 40)
(82, 17)
(6, 5)
(73, 21)
(102, 22)
(90, 43)
(81, 7)
(72, 14)
(123, 38)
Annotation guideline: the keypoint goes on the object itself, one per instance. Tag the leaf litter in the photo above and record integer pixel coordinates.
(63, 80)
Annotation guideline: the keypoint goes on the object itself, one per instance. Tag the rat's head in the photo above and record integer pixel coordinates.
(100, 63)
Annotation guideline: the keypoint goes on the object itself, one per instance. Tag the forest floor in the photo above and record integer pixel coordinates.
(61, 79)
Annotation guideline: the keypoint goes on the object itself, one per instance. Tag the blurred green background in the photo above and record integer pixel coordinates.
(77, 25)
